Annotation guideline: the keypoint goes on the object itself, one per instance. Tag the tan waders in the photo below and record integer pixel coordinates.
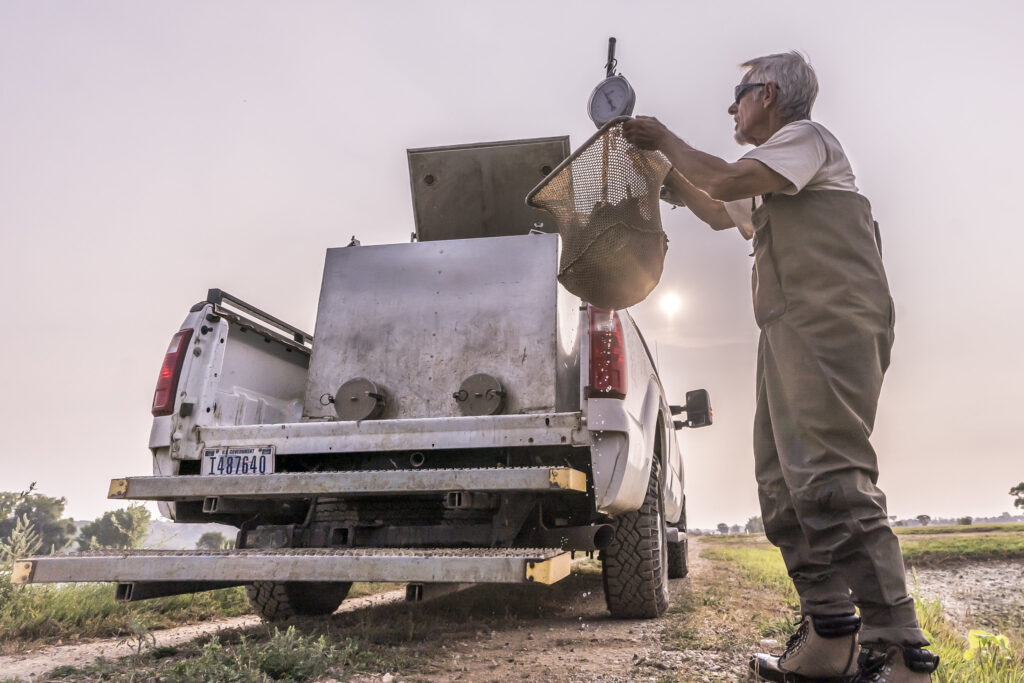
(822, 302)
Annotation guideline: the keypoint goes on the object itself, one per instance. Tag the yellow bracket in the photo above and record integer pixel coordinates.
(22, 572)
(567, 478)
(118, 488)
(549, 571)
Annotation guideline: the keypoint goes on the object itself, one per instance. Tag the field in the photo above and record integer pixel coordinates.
(736, 600)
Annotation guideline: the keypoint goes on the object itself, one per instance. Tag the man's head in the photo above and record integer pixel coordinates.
(776, 90)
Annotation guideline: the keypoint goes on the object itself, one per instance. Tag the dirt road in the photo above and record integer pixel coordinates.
(488, 633)
(562, 632)
(32, 664)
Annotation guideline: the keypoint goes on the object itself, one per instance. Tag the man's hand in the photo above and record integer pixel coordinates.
(646, 132)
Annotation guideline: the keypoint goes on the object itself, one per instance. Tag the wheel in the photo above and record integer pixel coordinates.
(677, 568)
(635, 563)
(276, 600)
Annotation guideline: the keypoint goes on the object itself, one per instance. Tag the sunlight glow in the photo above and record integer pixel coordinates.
(670, 304)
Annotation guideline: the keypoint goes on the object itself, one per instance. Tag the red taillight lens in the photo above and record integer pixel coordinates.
(607, 355)
(167, 383)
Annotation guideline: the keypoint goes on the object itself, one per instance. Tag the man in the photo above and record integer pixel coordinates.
(822, 302)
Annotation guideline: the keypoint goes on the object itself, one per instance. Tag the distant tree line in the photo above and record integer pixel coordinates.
(34, 524)
(755, 525)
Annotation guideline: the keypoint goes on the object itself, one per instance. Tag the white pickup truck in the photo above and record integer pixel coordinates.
(457, 418)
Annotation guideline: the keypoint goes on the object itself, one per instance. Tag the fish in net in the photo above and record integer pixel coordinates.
(604, 199)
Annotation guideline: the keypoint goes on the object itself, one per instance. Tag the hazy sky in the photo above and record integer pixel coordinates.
(152, 150)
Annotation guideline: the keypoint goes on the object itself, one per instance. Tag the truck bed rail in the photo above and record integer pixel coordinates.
(485, 431)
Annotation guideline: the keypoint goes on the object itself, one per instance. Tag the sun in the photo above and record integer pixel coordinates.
(670, 304)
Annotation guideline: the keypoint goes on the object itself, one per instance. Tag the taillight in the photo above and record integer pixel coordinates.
(607, 355)
(167, 383)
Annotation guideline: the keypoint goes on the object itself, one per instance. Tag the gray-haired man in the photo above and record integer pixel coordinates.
(822, 302)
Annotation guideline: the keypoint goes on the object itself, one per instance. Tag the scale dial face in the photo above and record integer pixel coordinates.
(612, 97)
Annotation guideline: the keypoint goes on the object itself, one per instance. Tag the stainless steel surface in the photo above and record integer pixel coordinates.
(441, 565)
(197, 487)
(477, 190)
(489, 431)
(419, 318)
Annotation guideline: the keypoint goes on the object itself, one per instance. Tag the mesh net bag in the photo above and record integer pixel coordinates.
(604, 198)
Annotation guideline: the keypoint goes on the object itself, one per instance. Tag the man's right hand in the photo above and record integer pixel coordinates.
(646, 132)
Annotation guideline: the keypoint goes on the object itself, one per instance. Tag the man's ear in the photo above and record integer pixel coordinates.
(768, 94)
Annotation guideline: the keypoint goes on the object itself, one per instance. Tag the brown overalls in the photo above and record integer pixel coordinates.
(822, 302)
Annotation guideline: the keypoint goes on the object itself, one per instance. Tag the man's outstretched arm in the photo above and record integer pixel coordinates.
(709, 210)
(720, 179)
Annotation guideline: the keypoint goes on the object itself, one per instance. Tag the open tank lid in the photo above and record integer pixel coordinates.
(478, 190)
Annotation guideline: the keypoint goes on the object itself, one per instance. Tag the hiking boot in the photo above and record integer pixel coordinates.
(823, 650)
(896, 664)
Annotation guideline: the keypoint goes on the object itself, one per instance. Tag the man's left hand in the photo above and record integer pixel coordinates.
(646, 132)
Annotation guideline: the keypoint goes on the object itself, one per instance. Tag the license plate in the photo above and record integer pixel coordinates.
(256, 460)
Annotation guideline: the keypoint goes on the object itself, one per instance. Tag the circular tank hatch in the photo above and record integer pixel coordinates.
(358, 399)
(480, 394)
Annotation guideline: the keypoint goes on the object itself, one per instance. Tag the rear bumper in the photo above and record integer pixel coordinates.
(497, 431)
(440, 565)
(374, 482)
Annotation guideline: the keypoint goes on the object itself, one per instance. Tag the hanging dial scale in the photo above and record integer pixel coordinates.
(613, 96)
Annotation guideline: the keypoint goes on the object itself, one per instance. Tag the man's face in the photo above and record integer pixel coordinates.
(747, 112)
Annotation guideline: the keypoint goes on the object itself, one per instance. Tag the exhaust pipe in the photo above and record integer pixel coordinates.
(591, 537)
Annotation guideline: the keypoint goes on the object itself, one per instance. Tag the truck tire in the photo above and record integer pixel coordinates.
(277, 600)
(677, 567)
(635, 563)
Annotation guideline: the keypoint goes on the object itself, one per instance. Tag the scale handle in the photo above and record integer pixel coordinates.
(610, 64)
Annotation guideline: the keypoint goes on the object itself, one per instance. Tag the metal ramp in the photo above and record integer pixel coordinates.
(377, 482)
(226, 567)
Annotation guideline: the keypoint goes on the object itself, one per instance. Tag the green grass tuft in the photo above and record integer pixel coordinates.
(285, 656)
(65, 611)
(992, 665)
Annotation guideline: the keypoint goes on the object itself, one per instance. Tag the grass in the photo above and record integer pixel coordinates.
(994, 663)
(41, 614)
(938, 550)
(255, 656)
(361, 589)
(48, 613)
(743, 597)
(1009, 527)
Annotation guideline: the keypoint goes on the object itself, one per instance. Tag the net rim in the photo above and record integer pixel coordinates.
(569, 159)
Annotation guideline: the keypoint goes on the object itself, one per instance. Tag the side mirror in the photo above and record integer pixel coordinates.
(697, 409)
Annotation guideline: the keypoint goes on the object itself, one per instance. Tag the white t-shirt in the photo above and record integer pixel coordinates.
(807, 155)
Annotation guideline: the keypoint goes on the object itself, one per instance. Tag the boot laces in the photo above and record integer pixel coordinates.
(871, 665)
(797, 639)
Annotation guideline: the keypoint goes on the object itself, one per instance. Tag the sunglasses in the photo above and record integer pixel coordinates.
(744, 87)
